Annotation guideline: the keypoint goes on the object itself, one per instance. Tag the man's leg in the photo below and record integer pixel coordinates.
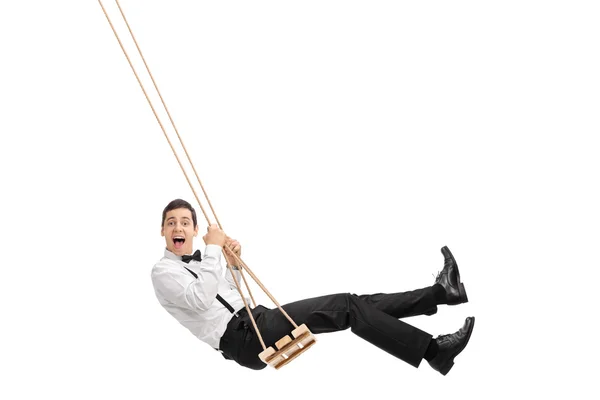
(372, 317)
(447, 289)
(365, 317)
(338, 312)
(407, 304)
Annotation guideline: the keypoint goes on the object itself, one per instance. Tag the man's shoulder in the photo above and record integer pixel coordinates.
(165, 263)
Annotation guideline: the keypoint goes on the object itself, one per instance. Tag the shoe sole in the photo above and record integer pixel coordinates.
(448, 366)
(462, 293)
(462, 296)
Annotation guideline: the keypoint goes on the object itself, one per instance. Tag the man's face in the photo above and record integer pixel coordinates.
(179, 231)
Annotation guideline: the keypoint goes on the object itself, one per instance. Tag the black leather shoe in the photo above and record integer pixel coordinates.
(450, 346)
(449, 278)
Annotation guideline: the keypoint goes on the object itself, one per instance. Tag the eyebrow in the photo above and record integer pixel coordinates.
(174, 218)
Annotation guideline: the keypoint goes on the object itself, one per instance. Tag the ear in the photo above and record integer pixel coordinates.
(162, 231)
(196, 231)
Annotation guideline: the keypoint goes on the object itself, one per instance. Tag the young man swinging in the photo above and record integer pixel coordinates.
(195, 292)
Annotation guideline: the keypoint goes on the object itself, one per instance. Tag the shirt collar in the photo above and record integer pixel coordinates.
(171, 255)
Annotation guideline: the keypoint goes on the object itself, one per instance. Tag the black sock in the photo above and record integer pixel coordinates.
(431, 351)
(439, 293)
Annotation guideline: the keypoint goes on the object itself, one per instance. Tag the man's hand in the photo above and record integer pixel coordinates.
(237, 249)
(214, 236)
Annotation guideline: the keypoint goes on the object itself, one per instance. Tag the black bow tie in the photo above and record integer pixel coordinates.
(196, 256)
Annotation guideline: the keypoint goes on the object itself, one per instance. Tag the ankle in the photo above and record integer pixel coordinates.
(439, 293)
(431, 351)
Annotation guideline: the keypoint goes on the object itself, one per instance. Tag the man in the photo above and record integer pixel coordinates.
(194, 291)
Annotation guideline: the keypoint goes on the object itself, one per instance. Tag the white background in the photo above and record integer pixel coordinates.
(343, 143)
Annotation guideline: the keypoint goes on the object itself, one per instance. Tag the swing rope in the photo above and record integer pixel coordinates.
(241, 263)
(181, 142)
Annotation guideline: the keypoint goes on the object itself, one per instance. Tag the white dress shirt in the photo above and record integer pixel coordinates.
(193, 302)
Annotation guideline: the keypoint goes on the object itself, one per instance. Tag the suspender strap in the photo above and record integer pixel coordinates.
(221, 300)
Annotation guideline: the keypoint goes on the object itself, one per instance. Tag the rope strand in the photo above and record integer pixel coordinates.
(154, 111)
(237, 285)
(169, 115)
(180, 139)
(242, 264)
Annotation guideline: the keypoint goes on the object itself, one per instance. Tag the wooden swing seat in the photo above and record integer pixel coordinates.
(288, 349)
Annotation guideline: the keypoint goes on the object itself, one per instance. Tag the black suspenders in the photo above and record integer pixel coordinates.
(221, 300)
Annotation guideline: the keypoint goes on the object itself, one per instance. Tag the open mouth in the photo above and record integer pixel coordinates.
(178, 242)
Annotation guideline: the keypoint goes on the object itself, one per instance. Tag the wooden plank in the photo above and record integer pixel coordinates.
(266, 353)
(283, 342)
(289, 359)
(288, 349)
(290, 345)
(300, 330)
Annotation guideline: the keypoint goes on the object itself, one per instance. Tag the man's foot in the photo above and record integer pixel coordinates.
(449, 279)
(449, 346)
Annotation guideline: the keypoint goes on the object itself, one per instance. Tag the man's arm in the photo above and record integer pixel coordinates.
(229, 278)
(179, 287)
(232, 261)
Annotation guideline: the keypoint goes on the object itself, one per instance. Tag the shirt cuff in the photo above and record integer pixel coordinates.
(213, 250)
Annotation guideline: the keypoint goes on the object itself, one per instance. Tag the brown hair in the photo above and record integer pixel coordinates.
(179, 203)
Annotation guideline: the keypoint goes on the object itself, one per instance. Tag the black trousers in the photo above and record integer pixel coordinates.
(372, 317)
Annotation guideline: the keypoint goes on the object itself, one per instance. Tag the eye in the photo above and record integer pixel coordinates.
(170, 223)
(186, 223)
